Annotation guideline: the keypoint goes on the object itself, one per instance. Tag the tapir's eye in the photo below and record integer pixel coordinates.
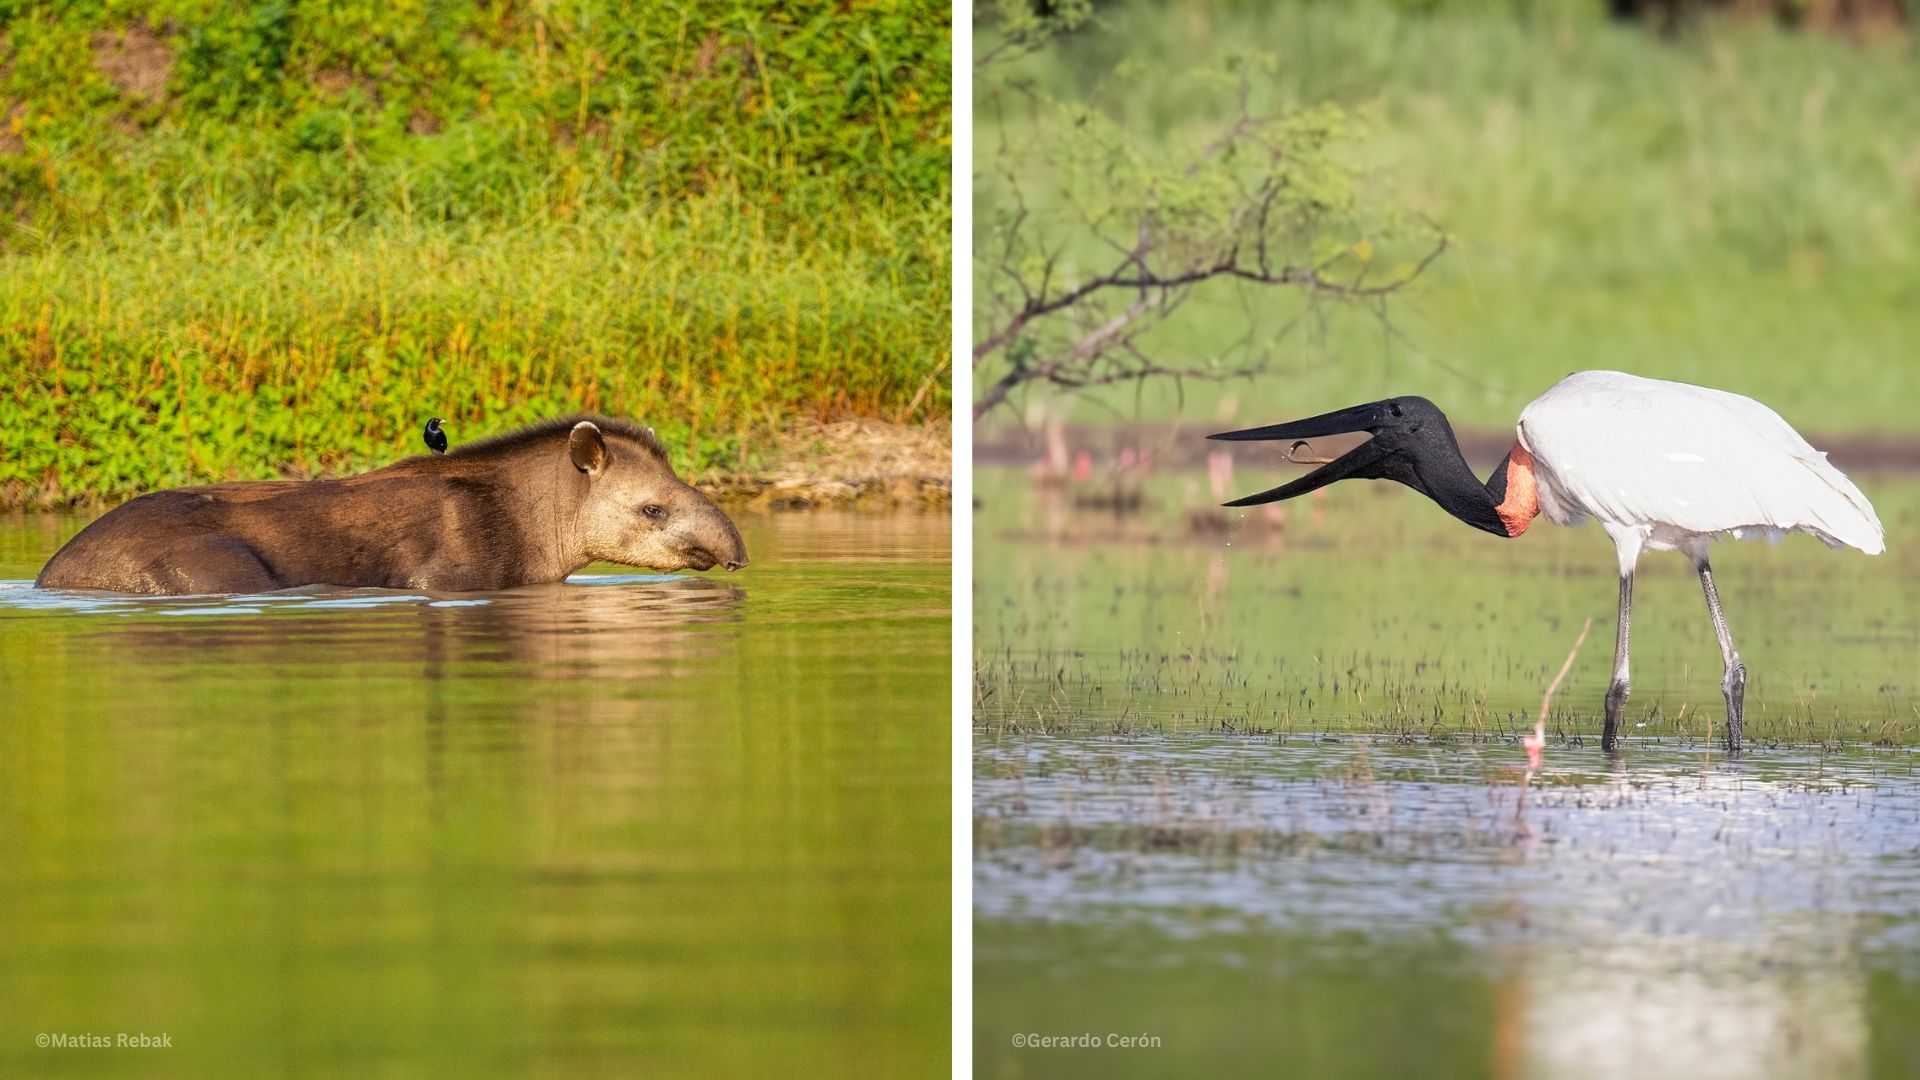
(657, 513)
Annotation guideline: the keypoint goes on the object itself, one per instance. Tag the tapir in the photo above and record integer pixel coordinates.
(522, 508)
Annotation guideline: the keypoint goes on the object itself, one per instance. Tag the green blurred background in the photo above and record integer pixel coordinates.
(1731, 197)
(241, 240)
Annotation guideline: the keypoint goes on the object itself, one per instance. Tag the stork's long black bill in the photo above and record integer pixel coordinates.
(1411, 443)
(1355, 462)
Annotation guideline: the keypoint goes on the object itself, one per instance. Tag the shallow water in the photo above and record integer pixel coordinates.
(1250, 787)
(631, 824)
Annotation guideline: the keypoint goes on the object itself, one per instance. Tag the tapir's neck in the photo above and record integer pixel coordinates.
(517, 508)
(559, 516)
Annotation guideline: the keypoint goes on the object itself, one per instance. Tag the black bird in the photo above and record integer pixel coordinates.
(436, 439)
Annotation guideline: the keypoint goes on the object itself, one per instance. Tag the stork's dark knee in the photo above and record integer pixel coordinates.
(1617, 697)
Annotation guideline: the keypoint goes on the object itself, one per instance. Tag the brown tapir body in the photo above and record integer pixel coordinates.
(518, 509)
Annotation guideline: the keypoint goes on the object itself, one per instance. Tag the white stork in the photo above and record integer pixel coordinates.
(1664, 466)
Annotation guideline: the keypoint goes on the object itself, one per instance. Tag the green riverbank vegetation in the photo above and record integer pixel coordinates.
(238, 243)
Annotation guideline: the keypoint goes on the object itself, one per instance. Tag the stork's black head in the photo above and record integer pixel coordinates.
(1411, 443)
(436, 439)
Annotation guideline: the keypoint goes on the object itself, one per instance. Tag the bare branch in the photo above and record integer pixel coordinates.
(1306, 277)
(1257, 218)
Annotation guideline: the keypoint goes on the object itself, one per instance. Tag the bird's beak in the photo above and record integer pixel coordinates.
(1353, 463)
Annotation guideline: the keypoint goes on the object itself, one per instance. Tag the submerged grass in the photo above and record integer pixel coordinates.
(248, 243)
(1365, 616)
(1737, 206)
(1254, 698)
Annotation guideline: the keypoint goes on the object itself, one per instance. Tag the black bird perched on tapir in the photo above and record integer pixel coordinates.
(436, 439)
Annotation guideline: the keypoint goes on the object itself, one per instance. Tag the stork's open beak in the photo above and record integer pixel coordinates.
(1353, 463)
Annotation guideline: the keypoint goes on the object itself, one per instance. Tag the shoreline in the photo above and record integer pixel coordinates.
(841, 465)
(860, 464)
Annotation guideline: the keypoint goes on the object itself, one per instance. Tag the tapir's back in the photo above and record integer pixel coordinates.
(371, 530)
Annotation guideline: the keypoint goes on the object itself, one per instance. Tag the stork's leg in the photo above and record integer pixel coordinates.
(1617, 693)
(1733, 684)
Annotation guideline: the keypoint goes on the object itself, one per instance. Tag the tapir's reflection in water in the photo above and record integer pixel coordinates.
(594, 625)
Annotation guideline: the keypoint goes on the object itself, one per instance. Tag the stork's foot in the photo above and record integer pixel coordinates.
(1616, 704)
(1734, 687)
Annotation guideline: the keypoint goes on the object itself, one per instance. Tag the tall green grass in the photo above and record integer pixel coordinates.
(1738, 206)
(249, 242)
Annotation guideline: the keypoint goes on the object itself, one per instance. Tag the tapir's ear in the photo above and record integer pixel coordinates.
(587, 447)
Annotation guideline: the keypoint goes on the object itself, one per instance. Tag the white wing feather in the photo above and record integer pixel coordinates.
(1645, 452)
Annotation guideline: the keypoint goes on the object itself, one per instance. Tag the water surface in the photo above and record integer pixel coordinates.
(631, 824)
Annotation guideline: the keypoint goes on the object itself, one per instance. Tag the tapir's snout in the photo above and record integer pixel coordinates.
(702, 559)
(736, 556)
(720, 544)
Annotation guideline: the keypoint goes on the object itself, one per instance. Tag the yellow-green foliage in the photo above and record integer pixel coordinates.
(1736, 205)
(243, 242)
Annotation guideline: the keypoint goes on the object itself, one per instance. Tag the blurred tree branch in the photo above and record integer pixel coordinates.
(1270, 202)
(1024, 26)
